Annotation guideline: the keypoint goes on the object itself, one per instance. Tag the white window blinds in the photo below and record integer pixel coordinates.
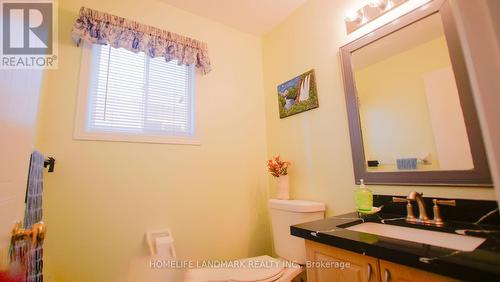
(131, 93)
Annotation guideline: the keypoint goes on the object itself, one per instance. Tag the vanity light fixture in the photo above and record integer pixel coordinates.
(373, 9)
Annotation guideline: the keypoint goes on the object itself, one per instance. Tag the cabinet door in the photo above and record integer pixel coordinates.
(392, 272)
(327, 264)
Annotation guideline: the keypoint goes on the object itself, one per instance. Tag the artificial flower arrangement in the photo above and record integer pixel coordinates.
(277, 167)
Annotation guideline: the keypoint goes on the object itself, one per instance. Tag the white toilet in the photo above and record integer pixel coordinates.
(290, 249)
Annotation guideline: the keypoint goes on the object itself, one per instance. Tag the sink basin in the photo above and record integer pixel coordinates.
(433, 238)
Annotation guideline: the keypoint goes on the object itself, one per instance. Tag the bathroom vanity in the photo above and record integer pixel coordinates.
(362, 267)
(412, 121)
(385, 247)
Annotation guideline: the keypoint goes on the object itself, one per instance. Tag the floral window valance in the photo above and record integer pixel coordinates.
(102, 28)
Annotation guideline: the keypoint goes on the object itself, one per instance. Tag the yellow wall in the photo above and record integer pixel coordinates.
(103, 196)
(394, 111)
(318, 140)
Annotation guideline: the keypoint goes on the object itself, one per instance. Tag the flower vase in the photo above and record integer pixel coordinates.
(283, 188)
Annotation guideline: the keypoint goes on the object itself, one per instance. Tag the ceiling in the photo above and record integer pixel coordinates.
(252, 16)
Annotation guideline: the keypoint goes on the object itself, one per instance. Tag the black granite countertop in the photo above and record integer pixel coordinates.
(482, 264)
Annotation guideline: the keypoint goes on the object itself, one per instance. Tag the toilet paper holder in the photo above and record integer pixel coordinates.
(161, 238)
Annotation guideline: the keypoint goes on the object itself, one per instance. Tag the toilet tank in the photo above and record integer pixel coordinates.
(285, 213)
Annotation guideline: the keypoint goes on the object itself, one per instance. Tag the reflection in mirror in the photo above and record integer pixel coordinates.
(409, 106)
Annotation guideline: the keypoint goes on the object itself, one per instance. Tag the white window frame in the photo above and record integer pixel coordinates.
(81, 132)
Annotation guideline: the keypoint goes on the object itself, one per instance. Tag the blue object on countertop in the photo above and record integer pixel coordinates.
(407, 164)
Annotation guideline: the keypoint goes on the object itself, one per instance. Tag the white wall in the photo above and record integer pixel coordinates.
(447, 120)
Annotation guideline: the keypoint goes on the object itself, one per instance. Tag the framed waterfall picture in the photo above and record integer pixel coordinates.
(298, 95)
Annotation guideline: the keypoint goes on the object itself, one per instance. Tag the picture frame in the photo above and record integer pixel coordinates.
(298, 95)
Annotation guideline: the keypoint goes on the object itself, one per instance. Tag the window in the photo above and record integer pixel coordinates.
(127, 96)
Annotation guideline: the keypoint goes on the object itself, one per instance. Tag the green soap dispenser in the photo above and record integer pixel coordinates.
(363, 197)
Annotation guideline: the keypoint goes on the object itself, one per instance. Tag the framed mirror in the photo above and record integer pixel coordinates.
(412, 117)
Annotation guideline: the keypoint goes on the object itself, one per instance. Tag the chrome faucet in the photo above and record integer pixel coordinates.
(422, 213)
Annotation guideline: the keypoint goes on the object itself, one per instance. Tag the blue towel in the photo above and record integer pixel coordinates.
(24, 252)
(407, 164)
(33, 214)
(33, 209)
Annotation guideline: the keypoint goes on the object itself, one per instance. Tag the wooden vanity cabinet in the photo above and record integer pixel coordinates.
(361, 268)
(324, 265)
(394, 272)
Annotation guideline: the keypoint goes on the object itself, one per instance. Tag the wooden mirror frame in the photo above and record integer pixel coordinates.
(480, 175)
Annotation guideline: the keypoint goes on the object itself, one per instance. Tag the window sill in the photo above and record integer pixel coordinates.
(133, 138)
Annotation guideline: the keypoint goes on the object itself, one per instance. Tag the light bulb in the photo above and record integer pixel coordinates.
(353, 16)
(389, 5)
(373, 3)
(381, 4)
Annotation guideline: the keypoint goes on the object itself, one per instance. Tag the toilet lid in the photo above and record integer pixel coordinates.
(256, 269)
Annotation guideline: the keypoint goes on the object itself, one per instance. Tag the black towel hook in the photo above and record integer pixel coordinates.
(50, 162)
